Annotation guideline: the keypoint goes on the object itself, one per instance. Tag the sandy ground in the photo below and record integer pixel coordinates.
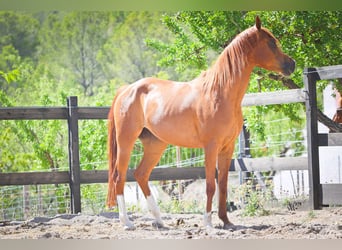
(318, 224)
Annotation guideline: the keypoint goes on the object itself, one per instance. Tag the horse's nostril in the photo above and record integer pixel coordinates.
(293, 65)
(289, 67)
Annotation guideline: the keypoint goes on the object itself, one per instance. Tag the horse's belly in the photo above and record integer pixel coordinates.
(178, 135)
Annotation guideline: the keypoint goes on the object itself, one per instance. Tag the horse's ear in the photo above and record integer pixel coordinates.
(258, 22)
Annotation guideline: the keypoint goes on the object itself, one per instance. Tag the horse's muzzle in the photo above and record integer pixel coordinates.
(288, 66)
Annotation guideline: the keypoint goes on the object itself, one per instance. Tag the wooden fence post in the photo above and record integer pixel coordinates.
(310, 78)
(74, 159)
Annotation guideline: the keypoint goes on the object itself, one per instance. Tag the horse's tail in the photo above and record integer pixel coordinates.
(112, 154)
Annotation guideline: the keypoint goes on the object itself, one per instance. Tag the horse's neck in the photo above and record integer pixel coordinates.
(235, 91)
(231, 91)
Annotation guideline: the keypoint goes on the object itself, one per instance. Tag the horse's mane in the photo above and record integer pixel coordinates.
(230, 62)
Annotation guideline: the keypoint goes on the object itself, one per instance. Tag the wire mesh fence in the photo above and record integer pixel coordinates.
(25, 202)
(22, 202)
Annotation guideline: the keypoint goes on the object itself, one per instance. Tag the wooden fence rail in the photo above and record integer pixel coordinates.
(52, 113)
(158, 173)
(72, 113)
(97, 113)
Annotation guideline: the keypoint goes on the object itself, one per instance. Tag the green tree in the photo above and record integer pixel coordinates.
(31, 145)
(72, 41)
(306, 36)
(197, 33)
(19, 29)
(9, 63)
(126, 55)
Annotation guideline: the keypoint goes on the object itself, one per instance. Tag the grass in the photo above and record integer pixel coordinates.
(254, 199)
(311, 214)
(175, 206)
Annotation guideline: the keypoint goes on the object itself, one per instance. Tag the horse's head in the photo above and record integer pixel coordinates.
(268, 54)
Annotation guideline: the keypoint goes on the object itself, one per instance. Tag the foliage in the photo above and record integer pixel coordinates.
(75, 41)
(311, 215)
(92, 198)
(255, 198)
(181, 206)
(126, 55)
(306, 36)
(195, 33)
(93, 144)
(19, 30)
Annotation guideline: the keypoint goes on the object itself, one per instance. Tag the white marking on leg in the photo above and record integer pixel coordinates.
(123, 214)
(153, 207)
(207, 220)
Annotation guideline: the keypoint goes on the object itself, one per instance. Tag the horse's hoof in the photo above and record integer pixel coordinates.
(129, 227)
(158, 224)
(229, 226)
(208, 225)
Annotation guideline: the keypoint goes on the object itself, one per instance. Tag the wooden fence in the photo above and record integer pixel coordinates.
(73, 113)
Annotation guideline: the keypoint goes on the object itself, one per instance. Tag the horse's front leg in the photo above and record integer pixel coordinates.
(210, 165)
(224, 161)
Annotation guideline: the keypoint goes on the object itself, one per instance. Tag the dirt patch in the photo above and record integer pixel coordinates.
(318, 224)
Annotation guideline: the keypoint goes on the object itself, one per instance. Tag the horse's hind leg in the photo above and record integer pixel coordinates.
(153, 149)
(125, 146)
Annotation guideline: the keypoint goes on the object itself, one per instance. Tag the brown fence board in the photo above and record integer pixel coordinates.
(97, 176)
(33, 113)
(34, 178)
(51, 113)
(96, 113)
(158, 173)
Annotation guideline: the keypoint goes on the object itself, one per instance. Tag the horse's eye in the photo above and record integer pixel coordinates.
(273, 44)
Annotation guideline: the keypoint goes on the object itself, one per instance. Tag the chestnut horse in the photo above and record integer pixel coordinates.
(203, 113)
